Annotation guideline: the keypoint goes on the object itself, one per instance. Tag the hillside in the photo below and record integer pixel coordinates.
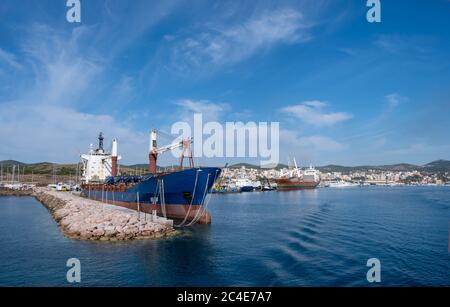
(439, 165)
(47, 168)
(248, 165)
(435, 166)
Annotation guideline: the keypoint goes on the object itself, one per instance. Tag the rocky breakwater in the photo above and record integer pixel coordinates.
(15, 192)
(85, 219)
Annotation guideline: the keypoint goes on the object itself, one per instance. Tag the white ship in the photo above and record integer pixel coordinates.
(342, 184)
(244, 184)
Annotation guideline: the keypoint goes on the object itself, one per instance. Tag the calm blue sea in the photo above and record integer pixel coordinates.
(322, 237)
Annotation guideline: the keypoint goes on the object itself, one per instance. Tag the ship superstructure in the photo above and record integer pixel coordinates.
(98, 164)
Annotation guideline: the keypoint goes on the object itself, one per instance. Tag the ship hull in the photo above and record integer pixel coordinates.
(183, 193)
(290, 185)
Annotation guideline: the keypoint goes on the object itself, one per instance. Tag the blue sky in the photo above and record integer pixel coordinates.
(344, 91)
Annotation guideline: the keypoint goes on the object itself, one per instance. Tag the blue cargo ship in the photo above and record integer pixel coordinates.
(179, 195)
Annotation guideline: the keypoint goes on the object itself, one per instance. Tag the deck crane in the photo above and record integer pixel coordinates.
(154, 151)
(297, 169)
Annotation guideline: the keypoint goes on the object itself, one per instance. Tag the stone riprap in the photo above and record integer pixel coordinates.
(86, 219)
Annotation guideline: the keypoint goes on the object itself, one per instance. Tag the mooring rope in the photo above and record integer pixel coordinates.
(208, 197)
(192, 200)
(163, 200)
(200, 212)
(203, 204)
(155, 195)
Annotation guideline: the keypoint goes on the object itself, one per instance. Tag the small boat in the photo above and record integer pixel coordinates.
(342, 184)
(267, 188)
(244, 185)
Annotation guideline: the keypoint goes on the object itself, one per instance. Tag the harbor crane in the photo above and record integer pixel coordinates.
(154, 151)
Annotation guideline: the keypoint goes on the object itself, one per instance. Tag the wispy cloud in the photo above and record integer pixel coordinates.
(418, 46)
(46, 119)
(61, 71)
(315, 104)
(211, 111)
(221, 44)
(128, 21)
(125, 89)
(394, 100)
(71, 73)
(9, 59)
(312, 112)
(60, 134)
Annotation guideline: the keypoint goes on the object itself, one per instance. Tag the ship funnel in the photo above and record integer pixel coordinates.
(152, 152)
(114, 148)
(114, 158)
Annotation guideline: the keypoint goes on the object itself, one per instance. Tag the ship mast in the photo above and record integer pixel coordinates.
(100, 141)
(296, 168)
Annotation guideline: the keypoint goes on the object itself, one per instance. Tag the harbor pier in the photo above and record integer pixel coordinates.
(85, 219)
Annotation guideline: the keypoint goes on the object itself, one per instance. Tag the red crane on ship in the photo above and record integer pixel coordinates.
(154, 151)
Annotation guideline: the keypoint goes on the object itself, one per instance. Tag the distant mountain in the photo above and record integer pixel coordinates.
(435, 166)
(41, 168)
(11, 163)
(135, 166)
(248, 165)
(335, 168)
(403, 167)
(438, 165)
(71, 169)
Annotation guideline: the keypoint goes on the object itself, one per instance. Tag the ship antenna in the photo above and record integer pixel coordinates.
(100, 141)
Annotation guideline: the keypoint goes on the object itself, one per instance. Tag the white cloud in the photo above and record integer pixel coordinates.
(210, 111)
(315, 103)
(45, 122)
(60, 134)
(309, 143)
(61, 71)
(312, 112)
(308, 149)
(394, 100)
(220, 45)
